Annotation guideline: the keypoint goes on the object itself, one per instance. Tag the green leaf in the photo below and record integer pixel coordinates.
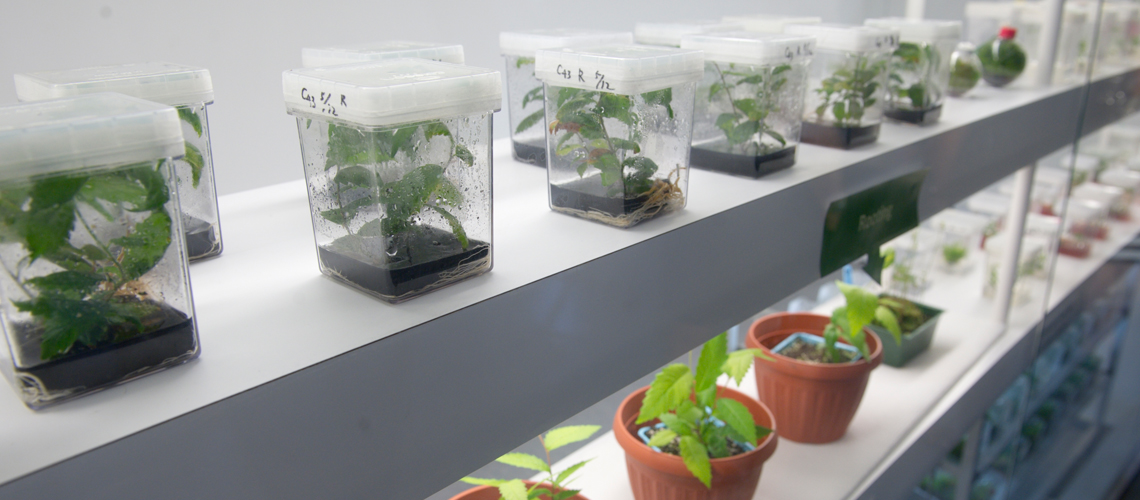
(738, 363)
(523, 61)
(68, 320)
(744, 132)
(669, 388)
(456, 227)
(197, 163)
(678, 424)
(189, 116)
(626, 145)
(464, 154)
(433, 129)
(567, 149)
(582, 169)
(861, 306)
(482, 482)
(663, 97)
(662, 437)
(530, 121)
(356, 176)
(348, 212)
(781, 68)
(696, 459)
(563, 436)
(564, 475)
(736, 415)
(536, 492)
(564, 495)
(114, 187)
(402, 140)
(714, 89)
(839, 110)
(713, 355)
(145, 245)
(615, 106)
(151, 179)
(886, 317)
(69, 283)
(525, 461)
(917, 95)
(514, 489)
(776, 135)
(535, 95)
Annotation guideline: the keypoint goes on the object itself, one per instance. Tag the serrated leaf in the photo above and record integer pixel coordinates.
(189, 116)
(535, 95)
(73, 283)
(514, 489)
(456, 227)
(563, 436)
(669, 388)
(537, 492)
(197, 163)
(713, 355)
(563, 495)
(736, 415)
(355, 176)
(738, 363)
(483, 482)
(530, 121)
(464, 154)
(696, 459)
(678, 424)
(662, 437)
(565, 474)
(145, 245)
(525, 461)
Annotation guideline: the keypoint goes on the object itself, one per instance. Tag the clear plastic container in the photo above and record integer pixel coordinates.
(1123, 138)
(916, 253)
(1087, 219)
(524, 90)
(397, 157)
(963, 235)
(965, 69)
(750, 103)
(188, 89)
(1119, 205)
(766, 23)
(1128, 180)
(846, 83)
(1031, 266)
(1003, 58)
(919, 69)
(620, 122)
(985, 19)
(670, 34)
(95, 290)
(314, 57)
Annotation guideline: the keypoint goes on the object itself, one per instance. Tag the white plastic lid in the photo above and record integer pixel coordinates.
(1121, 178)
(991, 10)
(1052, 175)
(848, 38)
(762, 23)
(166, 83)
(623, 69)
(670, 33)
(747, 47)
(920, 31)
(958, 222)
(1042, 225)
(988, 203)
(392, 49)
(526, 43)
(85, 131)
(1109, 195)
(1080, 209)
(391, 91)
(1085, 163)
(1032, 246)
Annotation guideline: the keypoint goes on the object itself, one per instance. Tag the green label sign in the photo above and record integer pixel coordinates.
(858, 224)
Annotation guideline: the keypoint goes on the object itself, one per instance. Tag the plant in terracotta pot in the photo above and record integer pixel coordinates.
(553, 487)
(817, 367)
(685, 437)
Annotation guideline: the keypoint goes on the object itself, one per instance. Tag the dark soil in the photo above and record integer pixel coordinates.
(202, 239)
(915, 116)
(396, 266)
(742, 164)
(815, 353)
(838, 137)
(530, 153)
(674, 448)
(589, 195)
(171, 341)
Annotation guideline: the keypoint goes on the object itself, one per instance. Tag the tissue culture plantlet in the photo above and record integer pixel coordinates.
(952, 253)
(96, 296)
(756, 97)
(581, 120)
(359, 158)
(922, 61)
(193, 154)
(848, 92)
(555, 485)
(534, 95)
(699, 424)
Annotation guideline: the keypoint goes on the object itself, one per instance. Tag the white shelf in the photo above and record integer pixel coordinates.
(294, 365)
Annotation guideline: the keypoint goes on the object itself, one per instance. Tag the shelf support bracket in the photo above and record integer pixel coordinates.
(1015, 229)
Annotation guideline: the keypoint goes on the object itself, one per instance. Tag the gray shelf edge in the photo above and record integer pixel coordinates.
(404, 416)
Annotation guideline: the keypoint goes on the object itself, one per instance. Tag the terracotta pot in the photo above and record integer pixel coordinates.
(660, 476)
(492, 493)
(814, 402)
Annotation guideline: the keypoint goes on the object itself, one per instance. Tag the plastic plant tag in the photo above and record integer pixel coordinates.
(643, 433)
(814, 339)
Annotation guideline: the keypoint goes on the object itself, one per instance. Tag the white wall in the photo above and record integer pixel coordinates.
(246, 45)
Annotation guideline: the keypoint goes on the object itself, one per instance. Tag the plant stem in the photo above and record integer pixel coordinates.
(122, 272)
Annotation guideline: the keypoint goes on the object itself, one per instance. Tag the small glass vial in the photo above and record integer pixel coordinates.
(397, 157)
(965, 70)
(619, 124)
(750, 103)
(188, 89)
(766, 23)
(95, 290)
(373, 51)
(670, 34)
(524, 90)
(920, 68)
(846, 83)
(1003, 59)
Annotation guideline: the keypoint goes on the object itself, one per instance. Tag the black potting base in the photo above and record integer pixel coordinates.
(405, 272)
(742, 164)
(915, 116)
(528, 153)
(998, 80)
(838, 137)
(201, 239)
(577, 196)
(102, 367)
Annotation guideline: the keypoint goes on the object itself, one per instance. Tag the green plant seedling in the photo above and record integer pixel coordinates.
(907, 314)
(922, 61)
(193, 154)
(848, 321)
(848, 92)
(756, 97)
(534, 95)
(952, 253)
(555, 486)
(685, 400)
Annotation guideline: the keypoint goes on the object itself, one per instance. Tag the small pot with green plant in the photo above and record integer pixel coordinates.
(816, 368)
(399, 190)
(965, 69)
(918, 70)
(619, 124)
(750, 103)
(188, 89)
(554, 486)
(916, 323)
(685, 437)
(846, 83)
(524, 90)
(1002, 58)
